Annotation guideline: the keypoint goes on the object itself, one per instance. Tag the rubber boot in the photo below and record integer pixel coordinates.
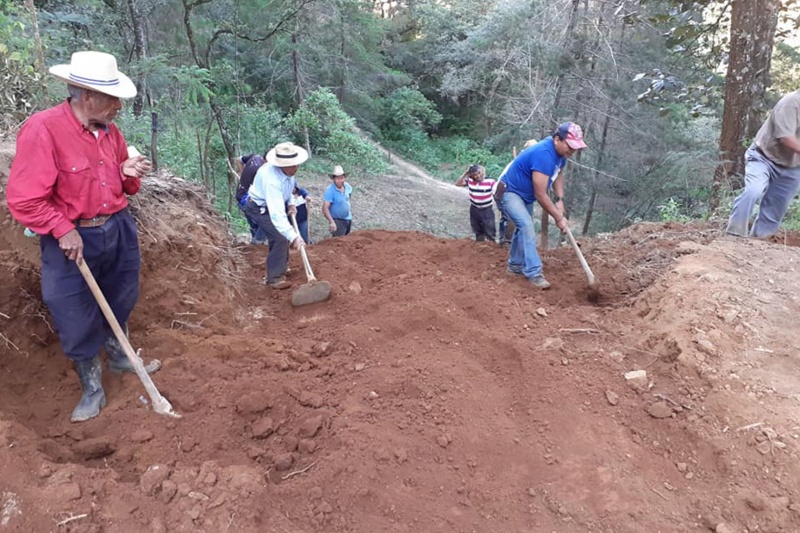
(118, 362)
(94, 398)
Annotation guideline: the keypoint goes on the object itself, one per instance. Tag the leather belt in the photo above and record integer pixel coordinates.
(92, 222)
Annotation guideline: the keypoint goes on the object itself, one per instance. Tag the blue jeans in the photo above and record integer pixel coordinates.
(302, 225)
(774, 185)
(278, 256)
(523, 256)
(256, 233)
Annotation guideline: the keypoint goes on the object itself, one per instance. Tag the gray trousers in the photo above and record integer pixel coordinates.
(278, 256)
(774, 185)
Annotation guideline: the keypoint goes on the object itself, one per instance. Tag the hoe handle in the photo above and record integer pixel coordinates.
(306, 264)
(584, 264)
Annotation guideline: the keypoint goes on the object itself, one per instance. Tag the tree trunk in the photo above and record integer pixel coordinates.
(140, 52)
(752, 35)
(544, 243)
(226, 140)
(36, 37)
(600, 153)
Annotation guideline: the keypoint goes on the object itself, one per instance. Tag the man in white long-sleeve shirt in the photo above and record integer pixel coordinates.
(269, 196)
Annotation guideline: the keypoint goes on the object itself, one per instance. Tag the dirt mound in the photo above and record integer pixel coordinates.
(433, 392)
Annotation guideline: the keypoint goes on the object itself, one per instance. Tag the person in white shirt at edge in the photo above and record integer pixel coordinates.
(268, 205)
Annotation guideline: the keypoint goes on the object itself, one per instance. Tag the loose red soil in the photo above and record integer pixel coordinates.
(433, 392)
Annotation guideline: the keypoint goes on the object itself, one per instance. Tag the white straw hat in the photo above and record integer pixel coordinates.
(286, 155)
(338, 171)
(96, 71)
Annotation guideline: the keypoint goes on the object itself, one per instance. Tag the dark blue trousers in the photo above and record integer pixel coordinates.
(112, 253)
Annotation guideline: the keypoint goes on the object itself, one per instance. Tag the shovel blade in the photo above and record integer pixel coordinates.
(311, 293)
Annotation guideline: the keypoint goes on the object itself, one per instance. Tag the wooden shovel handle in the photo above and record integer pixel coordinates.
(584, 264)
(159, 403)
(306, 264)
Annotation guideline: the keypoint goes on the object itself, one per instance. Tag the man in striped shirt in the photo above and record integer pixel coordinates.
(481, 213)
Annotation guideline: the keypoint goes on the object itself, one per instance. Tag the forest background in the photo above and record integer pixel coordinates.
(669, 93)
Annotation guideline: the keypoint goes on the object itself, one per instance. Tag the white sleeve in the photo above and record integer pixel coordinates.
(277, 210)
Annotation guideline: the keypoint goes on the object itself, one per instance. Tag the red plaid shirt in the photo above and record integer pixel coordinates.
(62, 172)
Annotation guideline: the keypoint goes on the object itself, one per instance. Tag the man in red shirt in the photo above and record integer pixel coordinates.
(68, 183)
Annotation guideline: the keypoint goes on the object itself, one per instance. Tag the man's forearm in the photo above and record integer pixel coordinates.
(327, 213)
(791, 143)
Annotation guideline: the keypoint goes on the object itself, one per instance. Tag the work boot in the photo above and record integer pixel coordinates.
(540, 282)
(280, 284)
(94, 398)
(517, 271)
(118, 362)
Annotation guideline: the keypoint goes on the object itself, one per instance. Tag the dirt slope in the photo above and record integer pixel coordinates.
(434, 392)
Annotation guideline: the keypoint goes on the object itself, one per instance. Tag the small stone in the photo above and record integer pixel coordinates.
(360, 367)
(310, 427)
(612, 397)
(616, 356)
(70, 492)
(168, 491)
(706, 346)
(307, 445)
(442, 441)
(263, 428)
(637, 379)
(669, 487)
(682, 467)
(141, 435)
(151, 480)
(756, 502)
(309, 399)
(373, 395)
(95, 448)
(722, 527)
(283, 462)
(660, 410)
(322, 349)
(689, 475)
(253, 403)
(401, 455)
(355, 287)
(541, 312)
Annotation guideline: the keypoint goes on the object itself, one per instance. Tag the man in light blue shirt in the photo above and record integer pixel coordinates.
(267, 203)
(336, 203)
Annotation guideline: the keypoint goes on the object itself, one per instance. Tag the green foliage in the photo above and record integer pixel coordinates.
(792, 219)
(332, 132)
(406, 112)
(671, 211)
(20, 83)
(196, 82)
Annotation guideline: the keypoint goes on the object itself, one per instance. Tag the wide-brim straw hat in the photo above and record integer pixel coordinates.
(286, 155)
(96, 71)
(338, 171)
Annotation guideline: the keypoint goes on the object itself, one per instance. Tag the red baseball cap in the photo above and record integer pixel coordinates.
(572, 134)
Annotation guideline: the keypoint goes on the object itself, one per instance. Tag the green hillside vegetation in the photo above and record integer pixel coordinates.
(442, 85)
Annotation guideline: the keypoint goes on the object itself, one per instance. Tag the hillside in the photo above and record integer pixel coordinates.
(432, 393)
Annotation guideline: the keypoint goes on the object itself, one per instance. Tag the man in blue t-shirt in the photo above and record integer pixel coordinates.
(527, 179)
(336, 203)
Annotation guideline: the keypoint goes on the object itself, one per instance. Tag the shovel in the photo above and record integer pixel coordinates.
(314, 291)
(159, 403)
(594, 287)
